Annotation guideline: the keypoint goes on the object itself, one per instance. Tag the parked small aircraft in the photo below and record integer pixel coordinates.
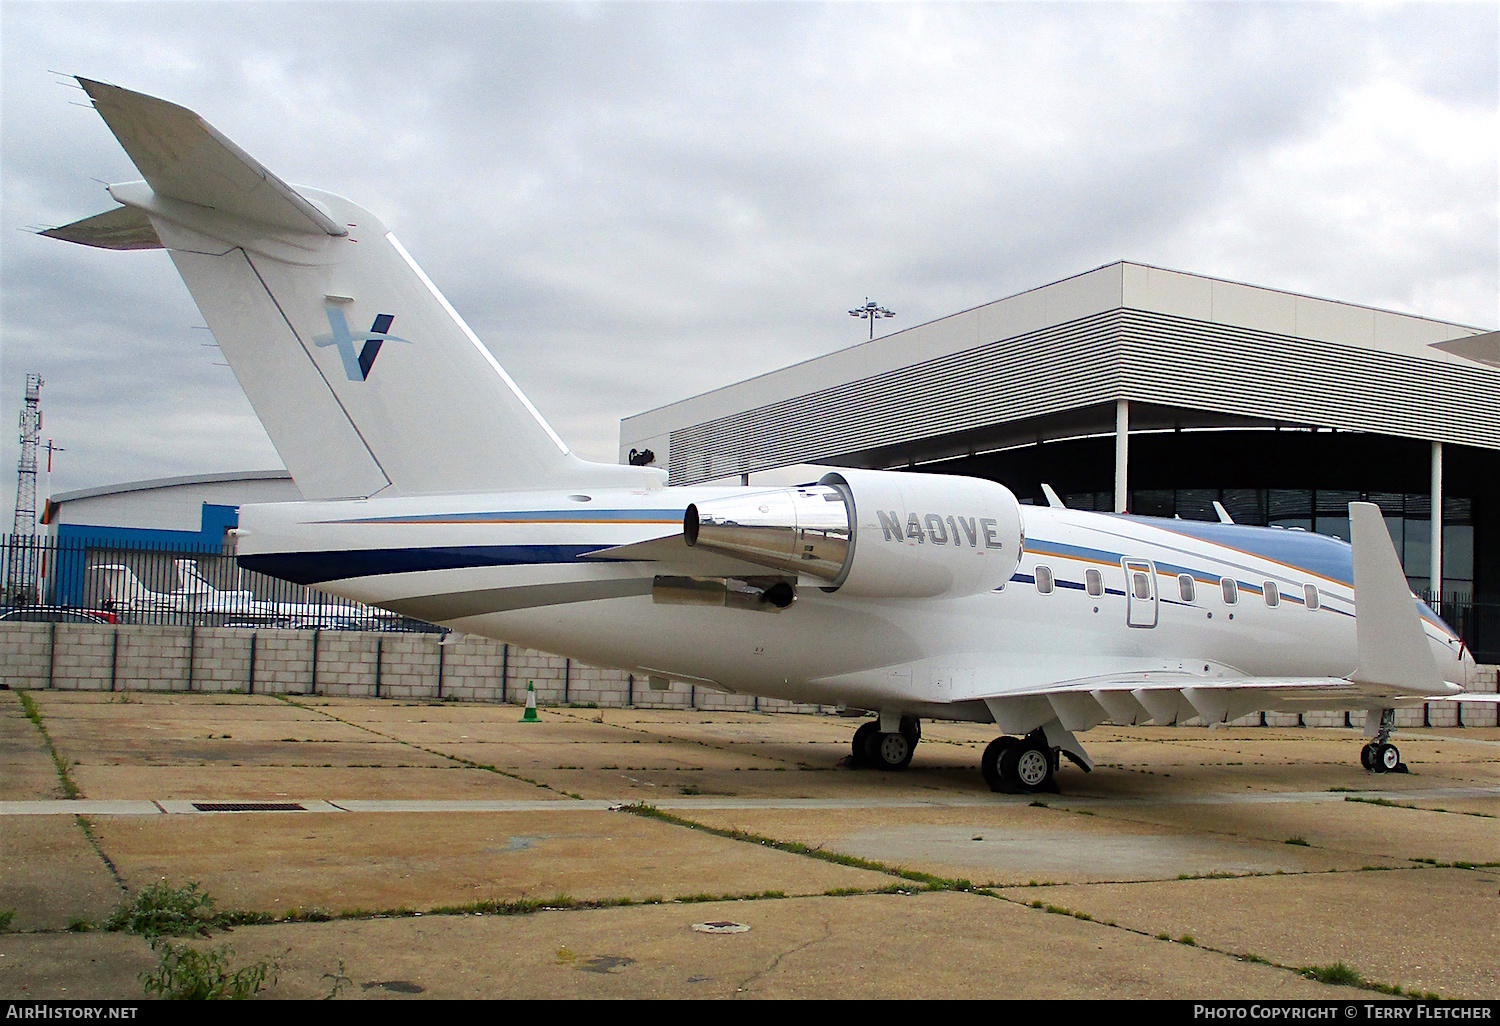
(437, 490)
(195, 594)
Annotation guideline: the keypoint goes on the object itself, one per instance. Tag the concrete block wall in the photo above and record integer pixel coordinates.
(83, 658)
(221, 656)
(153, 662)
(346, 663)
(25, 654)
(88, 657)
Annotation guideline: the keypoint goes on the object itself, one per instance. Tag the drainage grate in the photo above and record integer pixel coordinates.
(249, 807)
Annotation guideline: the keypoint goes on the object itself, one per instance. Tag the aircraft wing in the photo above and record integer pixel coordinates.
(1395, 668)
(1170, 698)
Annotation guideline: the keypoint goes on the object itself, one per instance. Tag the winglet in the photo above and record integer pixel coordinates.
(1393, 648)
(1052, 499)
(1224, 517)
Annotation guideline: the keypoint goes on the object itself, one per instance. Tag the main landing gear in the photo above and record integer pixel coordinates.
(1380, 756)
(1020, 765)
(886, 751)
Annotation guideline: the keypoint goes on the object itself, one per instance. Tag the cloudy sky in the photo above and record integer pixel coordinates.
(633, 203)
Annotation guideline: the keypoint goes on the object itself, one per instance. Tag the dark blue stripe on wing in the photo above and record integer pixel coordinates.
(319, 567)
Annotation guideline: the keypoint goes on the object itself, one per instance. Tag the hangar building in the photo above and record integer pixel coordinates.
(1133, 388)
(147, 523)
(189, 511)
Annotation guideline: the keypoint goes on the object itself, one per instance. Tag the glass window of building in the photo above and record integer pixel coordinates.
(1272, 593)
(1310, 597)
(1185, 587)
(1093, 580)
(1044, 580)
(1153, 503)
(1290, 507)
(1231, 591)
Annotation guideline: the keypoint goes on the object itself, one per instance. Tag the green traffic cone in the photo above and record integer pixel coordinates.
(529, 716)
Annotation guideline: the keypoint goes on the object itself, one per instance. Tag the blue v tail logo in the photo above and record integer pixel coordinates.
(357, 365)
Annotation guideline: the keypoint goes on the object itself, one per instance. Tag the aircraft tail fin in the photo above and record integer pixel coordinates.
(1393, 648)
(125, 589)
(364, 375)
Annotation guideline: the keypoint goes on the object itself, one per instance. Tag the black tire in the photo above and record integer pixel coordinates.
(912, 728)
(989, 762)
(1387, 759)
(1367, 757)
(891, 751)
(1026, 767)
(860, 754)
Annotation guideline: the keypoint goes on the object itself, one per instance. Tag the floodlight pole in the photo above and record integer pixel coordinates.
(871, 311)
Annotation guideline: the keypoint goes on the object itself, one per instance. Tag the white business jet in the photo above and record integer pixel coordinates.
(438, 491)
(194, 594)
(207, 598)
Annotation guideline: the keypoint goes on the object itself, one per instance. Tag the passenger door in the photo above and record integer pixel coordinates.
(1140, 593)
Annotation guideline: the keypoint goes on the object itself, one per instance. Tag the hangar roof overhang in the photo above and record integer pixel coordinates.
(1186, 350)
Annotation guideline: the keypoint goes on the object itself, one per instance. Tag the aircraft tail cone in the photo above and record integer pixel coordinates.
(529, 716)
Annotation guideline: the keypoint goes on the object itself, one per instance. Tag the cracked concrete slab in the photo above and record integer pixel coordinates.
(826, 947)
(1420, 929)
(278, 861)
(51, 875)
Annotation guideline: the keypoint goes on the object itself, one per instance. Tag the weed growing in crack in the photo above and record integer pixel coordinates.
(184, 972)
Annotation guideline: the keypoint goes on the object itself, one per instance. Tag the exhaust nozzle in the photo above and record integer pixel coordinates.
(797, 530)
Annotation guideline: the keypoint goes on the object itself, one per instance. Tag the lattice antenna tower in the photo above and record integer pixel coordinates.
(31, 436)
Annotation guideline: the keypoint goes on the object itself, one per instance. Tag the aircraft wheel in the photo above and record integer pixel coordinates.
(1367, 757)
(861, 743)
(912, 728)
(989, 762)
(892, 751)
(1387, 759)
(1027, 766)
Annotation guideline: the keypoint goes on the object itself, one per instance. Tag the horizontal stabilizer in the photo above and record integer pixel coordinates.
(121, 228)
(183, 157)
(1479, 348)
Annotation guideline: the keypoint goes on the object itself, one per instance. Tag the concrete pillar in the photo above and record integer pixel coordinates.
(1122, 453)
(1436, 584)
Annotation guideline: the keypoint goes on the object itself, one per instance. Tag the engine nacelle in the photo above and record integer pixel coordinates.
(873, 533)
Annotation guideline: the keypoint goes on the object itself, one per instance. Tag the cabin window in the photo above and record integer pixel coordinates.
(1231, 591)
(1185, 587)
(1141, 585)
(1093, 580)
(1273, 595)
(1310, 595)
(1044, 580)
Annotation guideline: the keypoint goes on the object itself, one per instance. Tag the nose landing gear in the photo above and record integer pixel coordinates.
(1380, 756)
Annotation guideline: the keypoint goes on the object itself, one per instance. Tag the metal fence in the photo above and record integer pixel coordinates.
(182, 585)
(1477, 621)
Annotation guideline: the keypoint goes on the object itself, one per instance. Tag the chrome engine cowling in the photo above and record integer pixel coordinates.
(873, 533)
